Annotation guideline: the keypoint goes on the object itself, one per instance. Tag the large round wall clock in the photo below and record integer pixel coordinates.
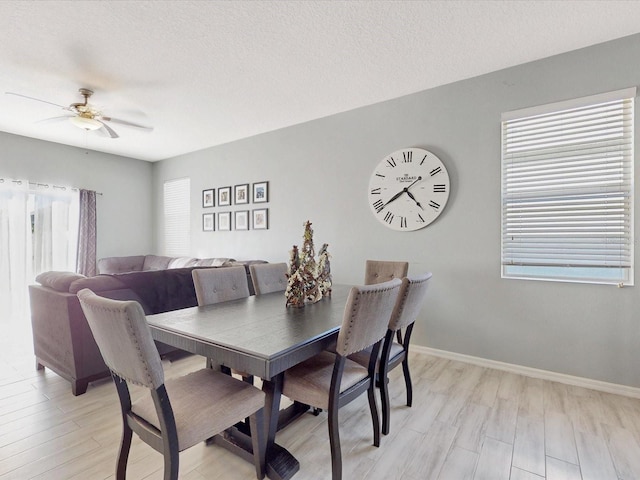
(408, 189)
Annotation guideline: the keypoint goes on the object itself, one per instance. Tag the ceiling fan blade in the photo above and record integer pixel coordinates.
(109, 130)
(125, 122)
(36, 99)
(54, 119)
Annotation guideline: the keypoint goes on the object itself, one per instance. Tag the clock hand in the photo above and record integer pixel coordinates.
(413, 198)
(405, 189)
(412, 184)
(395, 197)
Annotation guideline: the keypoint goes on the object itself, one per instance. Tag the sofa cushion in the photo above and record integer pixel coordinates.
(182, 262)
(156, 262)
(59, 281)
(214, 262)
(96, 284)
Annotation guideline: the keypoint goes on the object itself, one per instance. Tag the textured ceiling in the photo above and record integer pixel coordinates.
(207, 73)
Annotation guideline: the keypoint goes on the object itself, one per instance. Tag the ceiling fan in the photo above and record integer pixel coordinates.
(86, 116)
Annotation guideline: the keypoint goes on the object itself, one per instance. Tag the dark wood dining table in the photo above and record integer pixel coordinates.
(259, 336)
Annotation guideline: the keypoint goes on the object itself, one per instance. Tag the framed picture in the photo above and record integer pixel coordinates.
(261, 192)
(242, 220)
(224, 196)
(208, 224)
(224, 221)
(209, 198)
(261, 219)
(241, 194)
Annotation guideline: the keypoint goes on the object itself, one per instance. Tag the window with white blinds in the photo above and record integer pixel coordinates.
(567, 190)
(177, 217)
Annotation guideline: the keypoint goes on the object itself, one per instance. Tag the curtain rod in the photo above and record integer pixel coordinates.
(46, 185)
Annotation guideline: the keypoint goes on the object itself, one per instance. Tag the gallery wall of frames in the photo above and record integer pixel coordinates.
(237, 207)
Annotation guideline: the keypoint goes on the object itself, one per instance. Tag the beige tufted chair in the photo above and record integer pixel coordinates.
(377, 271)
(395, 348)
(214, 285)
(268, 277)
(330, 379)
(175, 414)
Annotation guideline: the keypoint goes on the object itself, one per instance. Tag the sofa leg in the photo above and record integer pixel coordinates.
(78, 387)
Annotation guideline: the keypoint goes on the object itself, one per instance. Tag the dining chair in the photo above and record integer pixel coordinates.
(268, 277)
(214, 285)
(377, 271)
(173, 414)
(331, 380)
(395, 348)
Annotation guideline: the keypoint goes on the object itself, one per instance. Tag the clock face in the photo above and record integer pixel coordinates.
(408, 189)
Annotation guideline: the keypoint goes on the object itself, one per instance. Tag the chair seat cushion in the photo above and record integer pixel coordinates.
(309, 382)
(362, 357)
(204, 403)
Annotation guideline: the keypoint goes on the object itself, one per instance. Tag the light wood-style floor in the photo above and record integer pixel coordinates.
(467, 422)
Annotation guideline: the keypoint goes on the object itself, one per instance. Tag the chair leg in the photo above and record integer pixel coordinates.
(334, 441)
(407, 380)
(371, 393)
(123, 454)
(384, 398)
(171, 464)
(258, 442)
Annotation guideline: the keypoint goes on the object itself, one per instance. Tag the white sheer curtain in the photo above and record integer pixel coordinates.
(38, 232)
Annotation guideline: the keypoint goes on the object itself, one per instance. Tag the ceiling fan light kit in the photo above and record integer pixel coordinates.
(85, 123)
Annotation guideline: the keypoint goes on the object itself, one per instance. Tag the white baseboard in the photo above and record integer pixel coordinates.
(614, 388)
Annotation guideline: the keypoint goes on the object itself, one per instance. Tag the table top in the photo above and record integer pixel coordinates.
(258, 335)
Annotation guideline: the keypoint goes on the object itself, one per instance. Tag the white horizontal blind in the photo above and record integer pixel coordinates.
(567, 190)
(177, 216)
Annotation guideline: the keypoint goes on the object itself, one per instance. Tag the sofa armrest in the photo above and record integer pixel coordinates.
(121, 264)
(62, 339)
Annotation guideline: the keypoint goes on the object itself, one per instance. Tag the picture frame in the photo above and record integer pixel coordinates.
(241, 220)
(224, 221)
(224, 196)
(260, 192)
(241, 194)
(208, 222)
(260, 219)
(209, 198)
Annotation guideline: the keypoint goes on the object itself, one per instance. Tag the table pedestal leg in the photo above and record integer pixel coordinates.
(281, 465)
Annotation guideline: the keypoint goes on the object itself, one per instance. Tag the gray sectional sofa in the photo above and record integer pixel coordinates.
(62, 339)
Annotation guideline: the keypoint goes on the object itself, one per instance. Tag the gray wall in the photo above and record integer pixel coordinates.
(320, 171)
(125, 223)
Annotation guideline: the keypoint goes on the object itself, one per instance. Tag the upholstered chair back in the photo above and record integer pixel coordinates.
(410, 300)
(366, 316)
(214, 285)
(378, 271)
(123, 336)
(268, 277)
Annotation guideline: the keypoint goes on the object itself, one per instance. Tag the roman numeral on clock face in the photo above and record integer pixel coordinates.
(389, 217)
(435, 171)
(439, 188)
(378, 205)
(420, 219)
(434, 205)
(391, 162)
(403, 222)
(376, 191)
(408, 156)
